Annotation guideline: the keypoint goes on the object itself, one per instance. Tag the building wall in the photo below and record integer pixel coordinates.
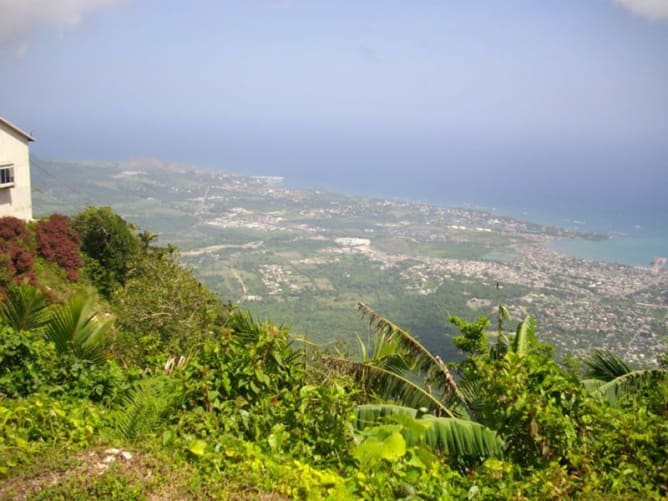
(17, 200)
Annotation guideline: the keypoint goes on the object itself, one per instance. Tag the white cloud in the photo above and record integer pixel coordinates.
(655, 10)
(20, 19)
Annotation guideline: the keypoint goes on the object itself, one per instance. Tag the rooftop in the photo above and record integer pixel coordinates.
(16, 129)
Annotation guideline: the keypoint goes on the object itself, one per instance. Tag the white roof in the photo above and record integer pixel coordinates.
(13, 127)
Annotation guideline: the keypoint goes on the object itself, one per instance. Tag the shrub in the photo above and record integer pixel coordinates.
(32, 424)
(27, 362)
(58, 243)
(110, 244)
(12, 231)
(163, 309)
(20, 265)
(16, 258)
(21, 260)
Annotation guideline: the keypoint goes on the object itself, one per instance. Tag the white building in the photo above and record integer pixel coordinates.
(15, 196)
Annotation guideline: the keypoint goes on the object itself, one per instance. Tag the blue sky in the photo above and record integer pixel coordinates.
(483, 94)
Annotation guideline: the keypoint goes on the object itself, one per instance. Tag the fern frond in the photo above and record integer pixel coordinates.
(145, 406)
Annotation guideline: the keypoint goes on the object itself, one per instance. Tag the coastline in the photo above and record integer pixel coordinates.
(628, 250)
(622, 240)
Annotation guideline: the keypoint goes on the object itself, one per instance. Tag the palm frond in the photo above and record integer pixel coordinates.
(389, 384)
(387, 352)
(627, 385)
(24, 308)
(382, 326)
(605, 365)
(244, 327)
(432, 367)
(75, 328)
(471, 388)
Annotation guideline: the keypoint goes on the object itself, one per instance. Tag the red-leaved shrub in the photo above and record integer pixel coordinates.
(59, 243)
(13, 231)
(20, 265)
(16, 257)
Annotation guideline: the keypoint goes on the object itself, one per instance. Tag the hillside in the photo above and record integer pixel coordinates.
(121, 377)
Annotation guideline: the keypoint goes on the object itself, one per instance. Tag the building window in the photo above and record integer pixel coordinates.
(6, 176)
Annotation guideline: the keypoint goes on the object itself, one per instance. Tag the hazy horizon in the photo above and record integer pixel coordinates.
(537, 104)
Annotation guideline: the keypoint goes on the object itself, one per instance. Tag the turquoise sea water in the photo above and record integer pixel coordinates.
(631, 250)
(634, 238)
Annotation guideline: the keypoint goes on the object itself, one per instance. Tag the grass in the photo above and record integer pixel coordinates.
(120, 473)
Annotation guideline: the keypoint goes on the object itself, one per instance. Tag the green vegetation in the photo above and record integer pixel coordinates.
(132, 381)
(109, 246)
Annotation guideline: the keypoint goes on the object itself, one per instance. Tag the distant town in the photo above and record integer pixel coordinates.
(304, 257)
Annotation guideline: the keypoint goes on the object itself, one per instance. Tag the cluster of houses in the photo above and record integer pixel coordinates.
(15, 196)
